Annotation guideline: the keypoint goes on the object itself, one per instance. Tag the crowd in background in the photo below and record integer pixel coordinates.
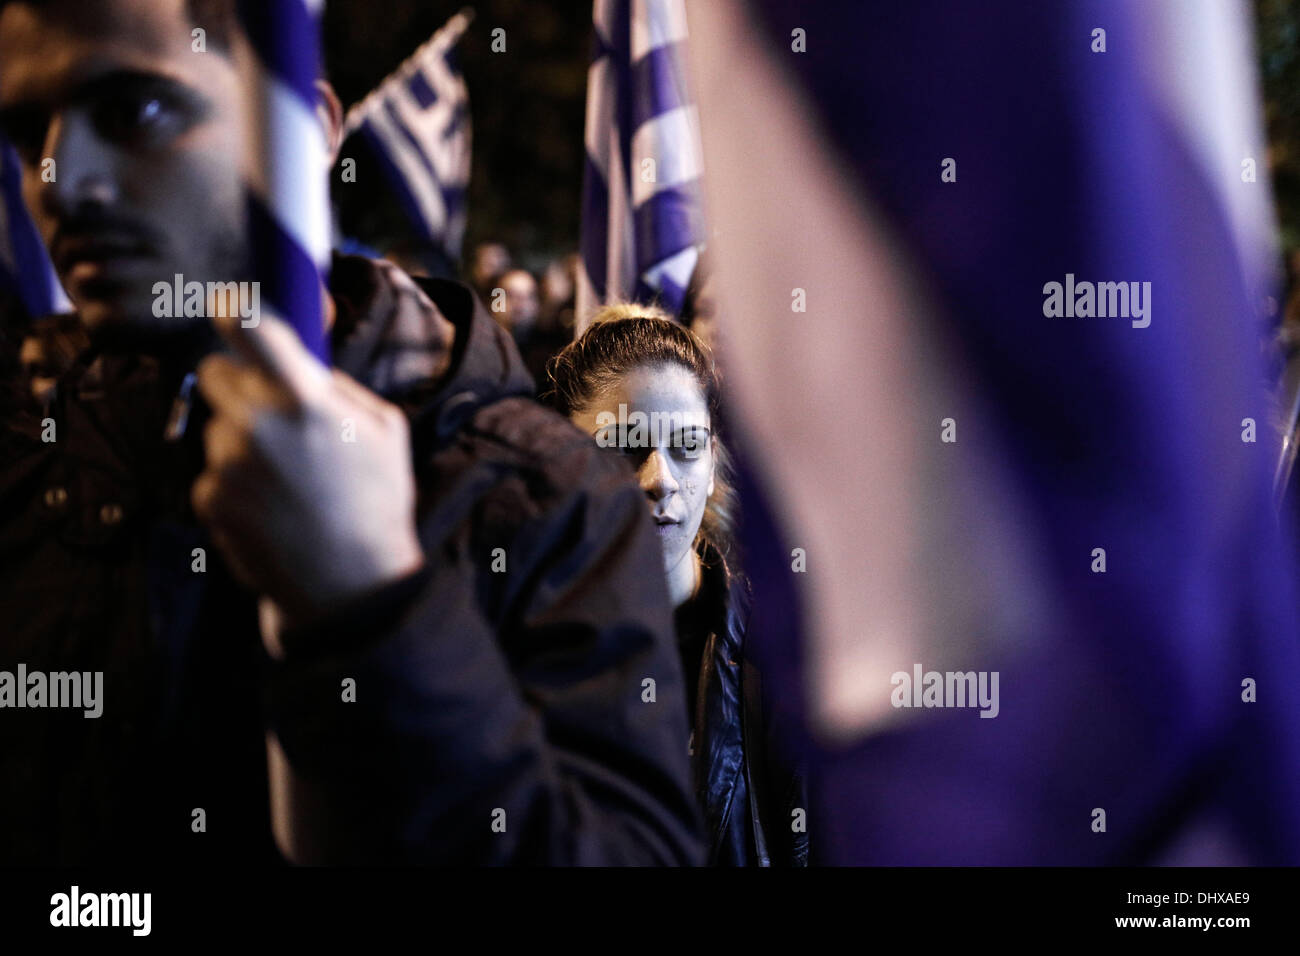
(538, 308)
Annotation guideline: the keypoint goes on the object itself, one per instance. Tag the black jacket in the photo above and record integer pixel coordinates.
(498, 715)
(750, 794)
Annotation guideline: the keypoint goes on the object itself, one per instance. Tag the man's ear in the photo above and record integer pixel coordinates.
(329, 110)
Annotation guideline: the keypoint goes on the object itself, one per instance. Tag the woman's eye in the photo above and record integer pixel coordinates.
(634, 454)
(612, 443)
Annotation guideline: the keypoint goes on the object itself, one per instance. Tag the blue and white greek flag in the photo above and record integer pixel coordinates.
(289, 185)
(417, 124)
(25, 268)
(642, 220)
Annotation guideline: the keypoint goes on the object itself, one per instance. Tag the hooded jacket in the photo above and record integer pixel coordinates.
(491, 708)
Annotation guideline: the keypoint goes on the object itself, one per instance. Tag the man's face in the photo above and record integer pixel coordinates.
(147, 141)
(521, 299)
(490, 260)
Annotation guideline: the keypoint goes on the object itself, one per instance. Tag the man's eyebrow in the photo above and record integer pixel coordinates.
(94, 85)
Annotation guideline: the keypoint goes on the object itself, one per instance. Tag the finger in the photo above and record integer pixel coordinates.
(358, 394)
(212, 498)
(275, 348)
(227, 546)
(239, 391)
(225, 501)
(203, 497)
(226, 444)
(209, 505)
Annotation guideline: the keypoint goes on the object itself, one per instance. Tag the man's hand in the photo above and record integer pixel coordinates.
(308, 487)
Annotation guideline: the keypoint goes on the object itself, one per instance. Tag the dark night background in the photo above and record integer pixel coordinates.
(526, 105)
(1278, 42)
(527, 108)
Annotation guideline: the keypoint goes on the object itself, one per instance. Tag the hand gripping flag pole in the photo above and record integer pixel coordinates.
(288, 190)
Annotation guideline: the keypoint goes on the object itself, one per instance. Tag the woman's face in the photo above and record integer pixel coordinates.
(658, 417)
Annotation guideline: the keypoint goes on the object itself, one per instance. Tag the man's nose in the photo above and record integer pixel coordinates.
(84, 171)
(656, 477)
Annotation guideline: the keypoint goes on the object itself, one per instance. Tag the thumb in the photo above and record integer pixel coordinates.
(272, 346)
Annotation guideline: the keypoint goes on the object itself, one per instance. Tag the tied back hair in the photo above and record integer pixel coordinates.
(623, 337)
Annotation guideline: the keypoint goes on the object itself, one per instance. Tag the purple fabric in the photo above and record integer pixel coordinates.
(1116, 437)
(25, 267)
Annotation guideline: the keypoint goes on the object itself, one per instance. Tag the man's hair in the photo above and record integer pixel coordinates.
(218, 18)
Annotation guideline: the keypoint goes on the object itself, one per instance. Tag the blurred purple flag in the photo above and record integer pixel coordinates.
(25, 267)
(995, 361)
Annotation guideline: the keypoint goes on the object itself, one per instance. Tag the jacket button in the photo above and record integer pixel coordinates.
(110, 515)
(56, 498)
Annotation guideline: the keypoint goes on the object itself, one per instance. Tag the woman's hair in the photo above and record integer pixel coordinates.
(623, 337)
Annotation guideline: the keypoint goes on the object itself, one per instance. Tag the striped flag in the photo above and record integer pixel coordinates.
(288, 184)
(25, 267)
(417, 124)
(642, 222)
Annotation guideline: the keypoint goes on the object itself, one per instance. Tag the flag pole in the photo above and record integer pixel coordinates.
(288, 188)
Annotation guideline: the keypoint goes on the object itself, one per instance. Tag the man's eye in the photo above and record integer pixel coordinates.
(137, 118)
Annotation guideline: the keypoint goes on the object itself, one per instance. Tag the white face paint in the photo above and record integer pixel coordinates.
(658, 417)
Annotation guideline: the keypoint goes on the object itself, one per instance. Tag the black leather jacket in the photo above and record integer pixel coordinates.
(749, 794)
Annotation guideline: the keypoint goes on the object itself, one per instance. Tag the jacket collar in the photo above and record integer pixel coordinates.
(485, 365)
(387, 334)
(485, 358)
(427, 344)
(719, 736)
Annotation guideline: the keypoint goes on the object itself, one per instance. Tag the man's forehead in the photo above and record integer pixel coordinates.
(50, 47)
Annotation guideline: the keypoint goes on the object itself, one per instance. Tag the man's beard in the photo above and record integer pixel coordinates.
(176, 339)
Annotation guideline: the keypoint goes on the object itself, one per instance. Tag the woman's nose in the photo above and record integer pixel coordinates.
(656, 477)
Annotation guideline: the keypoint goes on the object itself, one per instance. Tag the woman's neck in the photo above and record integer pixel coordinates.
(684, 581)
